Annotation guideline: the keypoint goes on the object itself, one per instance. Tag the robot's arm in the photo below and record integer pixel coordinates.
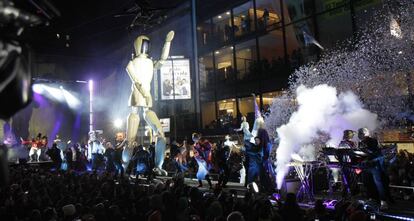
(165, 50)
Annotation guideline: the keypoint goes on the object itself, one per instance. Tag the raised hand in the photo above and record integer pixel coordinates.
(170, 36)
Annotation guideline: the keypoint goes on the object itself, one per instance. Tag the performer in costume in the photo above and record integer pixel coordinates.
(235, 159)
(202, 154)
(95, 151)
(120, 145)
(141, 70)
(253, 153)
(374, 167)
(35, 151)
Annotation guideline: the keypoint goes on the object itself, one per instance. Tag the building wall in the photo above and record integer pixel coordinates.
(253, 46)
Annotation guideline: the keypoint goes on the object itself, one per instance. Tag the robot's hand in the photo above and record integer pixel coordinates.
(170, 36)
(148, 100)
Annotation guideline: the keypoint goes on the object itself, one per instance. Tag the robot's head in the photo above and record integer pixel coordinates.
(142, 45)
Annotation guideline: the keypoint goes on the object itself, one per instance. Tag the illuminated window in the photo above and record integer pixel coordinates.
(208, 115)
(224, 64)
(268, 13)
(243, 19)
(227, 112)
(222, 29)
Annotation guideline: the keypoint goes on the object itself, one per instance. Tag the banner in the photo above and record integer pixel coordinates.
(180, 87)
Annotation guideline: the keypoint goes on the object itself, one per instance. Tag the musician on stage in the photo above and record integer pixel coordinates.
(375, 173)
(202, 154)
(348, 177)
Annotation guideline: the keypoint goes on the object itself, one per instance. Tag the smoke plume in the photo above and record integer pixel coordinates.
(320, 110)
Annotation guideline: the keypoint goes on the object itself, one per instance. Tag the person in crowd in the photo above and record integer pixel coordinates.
(375, 168)
(55, 156)
(290, 210)
(202, 154)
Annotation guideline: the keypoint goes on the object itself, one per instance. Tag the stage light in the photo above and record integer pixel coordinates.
(72, 101)
(90, 105)
(91, 85)
(54, 93)
(61, 87)
(38, 88)
(118, 123)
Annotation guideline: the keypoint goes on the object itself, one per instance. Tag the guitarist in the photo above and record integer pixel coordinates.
(375, 173)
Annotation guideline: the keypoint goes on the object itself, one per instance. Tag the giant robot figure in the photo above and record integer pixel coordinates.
(140, 70)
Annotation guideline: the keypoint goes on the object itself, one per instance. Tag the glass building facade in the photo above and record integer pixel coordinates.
(253, 46)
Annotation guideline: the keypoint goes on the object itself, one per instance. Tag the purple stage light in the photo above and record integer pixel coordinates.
(90, 85)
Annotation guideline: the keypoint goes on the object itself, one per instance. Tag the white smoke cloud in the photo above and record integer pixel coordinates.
(320, 110)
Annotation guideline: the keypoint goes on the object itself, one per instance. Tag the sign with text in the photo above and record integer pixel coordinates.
(165, 124)
(179, 87)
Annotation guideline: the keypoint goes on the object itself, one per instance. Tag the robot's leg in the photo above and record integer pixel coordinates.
(132, 130)
(153, 121)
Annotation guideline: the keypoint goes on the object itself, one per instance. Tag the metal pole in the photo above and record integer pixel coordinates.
(90, 105)
(175, 119)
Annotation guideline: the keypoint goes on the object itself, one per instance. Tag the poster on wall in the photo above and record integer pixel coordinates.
(165, 124)
(180, 87)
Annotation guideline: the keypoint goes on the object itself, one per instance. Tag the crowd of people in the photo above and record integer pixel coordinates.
(36, 194)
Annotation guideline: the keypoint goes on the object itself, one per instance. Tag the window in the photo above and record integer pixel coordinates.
(204, 33)
(227, 113)
(268, 13)
(272, 51)
(224, 64)
(301, 43)
(243, 16)
(329, 31)
(246, 59)
(206, 69)
(222, 29)
(208, 115)
(297, 9)
(246, 105)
